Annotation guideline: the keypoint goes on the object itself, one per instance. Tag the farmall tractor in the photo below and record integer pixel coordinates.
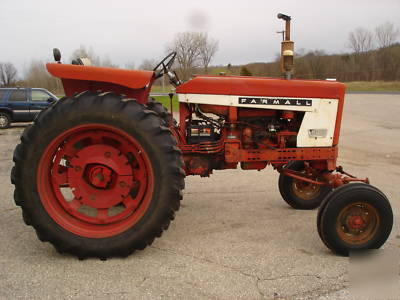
(100, 173)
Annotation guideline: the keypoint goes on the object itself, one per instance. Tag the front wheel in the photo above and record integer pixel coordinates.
(5, 120)
(300, 194)
(98, 175)
(355, 217)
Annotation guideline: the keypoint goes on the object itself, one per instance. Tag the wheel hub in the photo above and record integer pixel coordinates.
(3, 121)
(305, 190)
(99, 176)
(356, 222)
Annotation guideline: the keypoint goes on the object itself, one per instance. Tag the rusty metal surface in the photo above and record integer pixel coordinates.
(275, 155)
(357, 223)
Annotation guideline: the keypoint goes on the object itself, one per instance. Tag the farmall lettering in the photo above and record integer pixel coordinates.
(275, 101)
(101, 172)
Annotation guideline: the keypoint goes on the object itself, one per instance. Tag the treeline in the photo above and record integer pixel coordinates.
(35, 76)
(374, 56)
(375, 65)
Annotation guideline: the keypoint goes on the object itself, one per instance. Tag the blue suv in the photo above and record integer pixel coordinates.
(22, 104)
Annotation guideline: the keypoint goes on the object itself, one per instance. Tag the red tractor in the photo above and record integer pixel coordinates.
(100, 173)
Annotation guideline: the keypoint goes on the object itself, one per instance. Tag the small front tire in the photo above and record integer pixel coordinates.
(355, 217)
(300, 194)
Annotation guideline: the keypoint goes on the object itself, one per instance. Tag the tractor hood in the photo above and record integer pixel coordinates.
(128, 78)
(261, 86)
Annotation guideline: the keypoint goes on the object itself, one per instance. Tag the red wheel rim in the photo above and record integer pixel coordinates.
(357, 223)
(95, 180)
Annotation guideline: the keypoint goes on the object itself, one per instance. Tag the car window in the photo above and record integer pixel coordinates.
(18, 95)
(2, 93)
(38, 95)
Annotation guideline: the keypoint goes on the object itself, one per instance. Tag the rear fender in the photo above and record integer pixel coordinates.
(78, 78)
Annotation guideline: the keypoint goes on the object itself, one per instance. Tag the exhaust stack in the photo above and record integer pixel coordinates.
(287, 49)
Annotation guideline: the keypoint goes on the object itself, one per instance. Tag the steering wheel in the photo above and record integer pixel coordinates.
(164, 67)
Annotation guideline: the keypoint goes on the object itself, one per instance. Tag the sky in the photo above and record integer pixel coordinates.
(131, 31)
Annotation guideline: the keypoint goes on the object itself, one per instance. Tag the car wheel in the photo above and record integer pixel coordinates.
(5, 120)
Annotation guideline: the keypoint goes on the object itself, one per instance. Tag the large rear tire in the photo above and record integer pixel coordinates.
(160, 110)
(354, 217)
(157, 107)
(97, 175)
(300, 194)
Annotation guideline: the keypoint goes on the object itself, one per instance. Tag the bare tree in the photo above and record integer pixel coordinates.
(193, 49)
(37, 76)
(208, 48)
(361, 40)
(148, 64)
(316, 63)
(130, 66)
(187, 46)
(96, 60)
(83, 51)
(106, 62)
(8, 74)
(386, 34)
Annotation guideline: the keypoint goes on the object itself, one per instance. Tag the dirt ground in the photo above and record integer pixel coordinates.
(234, 236)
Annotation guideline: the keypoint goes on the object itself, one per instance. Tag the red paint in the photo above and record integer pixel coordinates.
(215, 109)
(99, 176)
(184, 116)
(287, 114)
(77, 78)
(232, 114)
(261, 86)
(247, 138)
(197, 165)
(242, 112)
(254, 113)
(202, 148)
(235, 154)
(129, 78)
(94, 149)
(356, 222)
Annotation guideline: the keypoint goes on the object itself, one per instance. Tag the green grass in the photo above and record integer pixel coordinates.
(165, 99)
(159, 89)
(166, 102)
(373, 86)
